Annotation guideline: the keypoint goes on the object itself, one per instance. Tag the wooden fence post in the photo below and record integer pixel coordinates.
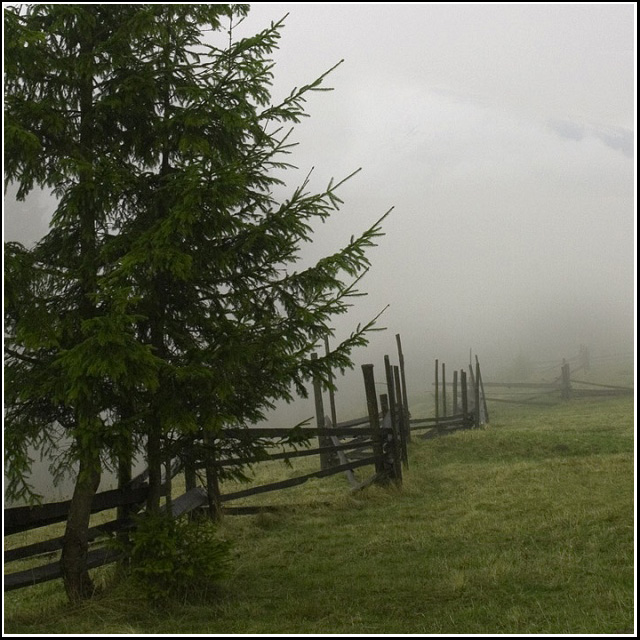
(395, 431)
(566, 380)
(213, 487)
(437, 387)
(374, 421)
(124, 479)
(332, 397)
(455, 392)
(189, 469)
(190, 475)
(390, 389)
(387, 436)
(403, 379)
(325, 459)
(476, 396)
(403, 423)
(472, 387)
(168, 483)
(464, 391)
(384, 404)
(444, 392)
(484, 398)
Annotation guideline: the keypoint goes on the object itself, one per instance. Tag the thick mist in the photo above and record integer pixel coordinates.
(503, 136)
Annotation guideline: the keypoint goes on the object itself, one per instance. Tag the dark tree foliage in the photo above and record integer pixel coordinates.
(164, 302)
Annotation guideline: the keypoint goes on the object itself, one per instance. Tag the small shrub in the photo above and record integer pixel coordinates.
(175, 558)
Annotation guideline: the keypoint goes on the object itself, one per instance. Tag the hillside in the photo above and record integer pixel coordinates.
(526, 526)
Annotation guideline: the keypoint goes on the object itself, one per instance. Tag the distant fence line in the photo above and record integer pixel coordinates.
(564, 387)
(467, 393)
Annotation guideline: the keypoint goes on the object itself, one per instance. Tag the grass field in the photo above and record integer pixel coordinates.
(524, 527)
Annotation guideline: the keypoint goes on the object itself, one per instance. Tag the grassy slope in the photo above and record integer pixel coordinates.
(523, 527)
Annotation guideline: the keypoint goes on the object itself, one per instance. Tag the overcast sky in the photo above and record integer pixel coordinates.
(503, 135)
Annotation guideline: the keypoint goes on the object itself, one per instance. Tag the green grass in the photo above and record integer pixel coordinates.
(525, 527)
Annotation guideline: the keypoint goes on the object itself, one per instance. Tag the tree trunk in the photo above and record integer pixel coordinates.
(75, 574)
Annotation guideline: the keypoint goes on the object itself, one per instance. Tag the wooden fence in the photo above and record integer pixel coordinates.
(464, 408)
(375, 440)
(563, 387)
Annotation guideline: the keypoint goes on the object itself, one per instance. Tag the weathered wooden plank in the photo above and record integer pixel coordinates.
(18, 519)
(251, 510)
(585, 393)
(353, 481)
(353, 423)
(365, 483)
(435, 433)
(192, 499)
(55, 544)
(285, 455)
(36, 575)
(606, 386)
(292, 482)
(527, 400)
(444, 426)
(523, 385)
(281, 433)
(433, 421)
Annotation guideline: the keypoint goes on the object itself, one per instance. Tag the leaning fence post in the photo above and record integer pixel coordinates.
(472, 387)
(464, 390)
(484, 398)
(390, 389)
(405, 399)
(374, 421)
(403, 423)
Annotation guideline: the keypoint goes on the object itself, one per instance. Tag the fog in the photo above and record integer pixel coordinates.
(504, 138)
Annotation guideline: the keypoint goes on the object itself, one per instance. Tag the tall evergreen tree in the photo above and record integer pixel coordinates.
(164, 303)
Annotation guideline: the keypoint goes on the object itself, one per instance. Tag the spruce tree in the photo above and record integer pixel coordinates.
(164, 304)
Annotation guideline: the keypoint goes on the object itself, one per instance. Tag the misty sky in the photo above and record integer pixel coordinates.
(503, 135)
